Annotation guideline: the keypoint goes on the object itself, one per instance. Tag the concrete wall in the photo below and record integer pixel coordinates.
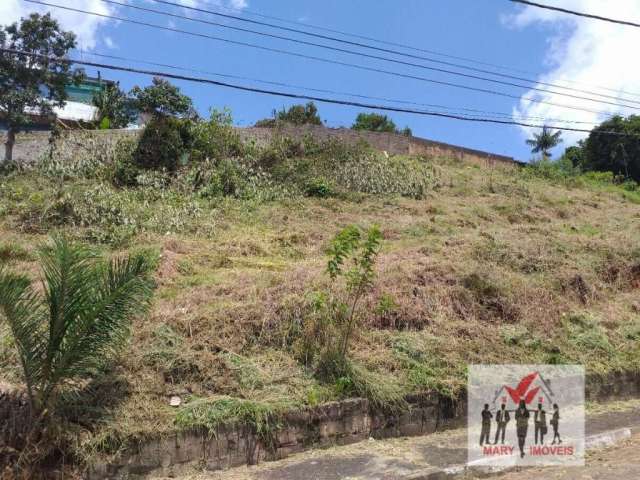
(32, 146)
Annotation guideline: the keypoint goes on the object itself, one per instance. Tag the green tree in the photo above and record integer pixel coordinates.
(76, 320)
(115, 109)
(162, 99)
(33, 85)
(574, 155)
(300, 115)
(374, 122)
(544, 141)
(617, 150)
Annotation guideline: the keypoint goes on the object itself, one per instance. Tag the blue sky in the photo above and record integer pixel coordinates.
(495, 31)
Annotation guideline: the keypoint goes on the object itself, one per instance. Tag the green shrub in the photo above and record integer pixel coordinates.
(216, 138)
(318, 187)
(124, 171)
(164, 144)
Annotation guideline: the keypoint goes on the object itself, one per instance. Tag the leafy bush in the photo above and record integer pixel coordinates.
(164, 144)
(329, 327)
(318, 187)
(553, 170)
(124, 172)
(216, 139)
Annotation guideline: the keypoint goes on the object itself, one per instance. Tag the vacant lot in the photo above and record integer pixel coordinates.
(477, 265)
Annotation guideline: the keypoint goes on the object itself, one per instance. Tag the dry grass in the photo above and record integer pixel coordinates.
(484, 269)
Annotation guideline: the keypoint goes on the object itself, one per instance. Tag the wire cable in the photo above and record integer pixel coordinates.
(573, 12)
(375, 57)
(247, 11)
(312, 57)
(364, 45)
(308, 97)
(448, 109)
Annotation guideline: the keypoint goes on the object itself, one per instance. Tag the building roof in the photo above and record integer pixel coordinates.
(84, 92)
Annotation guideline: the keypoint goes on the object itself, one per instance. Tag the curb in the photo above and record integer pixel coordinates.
(592, 442)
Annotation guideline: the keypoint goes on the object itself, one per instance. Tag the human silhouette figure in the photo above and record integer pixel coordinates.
(555, 420)
(486, 425)
(540, 422)
(522, 425)
(502, 418)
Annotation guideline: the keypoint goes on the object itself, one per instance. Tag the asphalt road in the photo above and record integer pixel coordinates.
(620, 462)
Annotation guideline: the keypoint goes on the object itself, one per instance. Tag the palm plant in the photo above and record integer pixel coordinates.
(544, 141)
(71, 326)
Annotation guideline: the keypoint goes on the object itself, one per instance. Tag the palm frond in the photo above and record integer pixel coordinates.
(121, 290)
(24, 312)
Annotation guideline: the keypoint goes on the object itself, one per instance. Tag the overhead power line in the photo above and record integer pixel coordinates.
(385, 59)
(448, 109)
(246, 11)
(306, 97)
(579, 14)
(316, 58)
(364, 45)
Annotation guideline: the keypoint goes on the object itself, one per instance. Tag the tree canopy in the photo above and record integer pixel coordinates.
(618, 150)
(374, 122)
(162, 99)
(115, 109)
(300, 115)
(33, 84)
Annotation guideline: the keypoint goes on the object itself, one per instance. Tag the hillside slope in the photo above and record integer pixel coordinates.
(477, 266)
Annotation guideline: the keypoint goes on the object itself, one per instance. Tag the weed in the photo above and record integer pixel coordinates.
(12, 252)
(381, 391)
(261, 419)
(585, 333)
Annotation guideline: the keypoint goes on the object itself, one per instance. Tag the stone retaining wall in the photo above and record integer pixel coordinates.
(337, 423)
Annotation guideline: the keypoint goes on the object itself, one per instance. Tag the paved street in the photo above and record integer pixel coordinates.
(621, 462)
(416, 457)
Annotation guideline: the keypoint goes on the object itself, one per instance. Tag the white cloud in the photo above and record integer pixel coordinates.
(108, 41)
(224, 4)
(238, 4)
(591, 53)
(84, 26)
